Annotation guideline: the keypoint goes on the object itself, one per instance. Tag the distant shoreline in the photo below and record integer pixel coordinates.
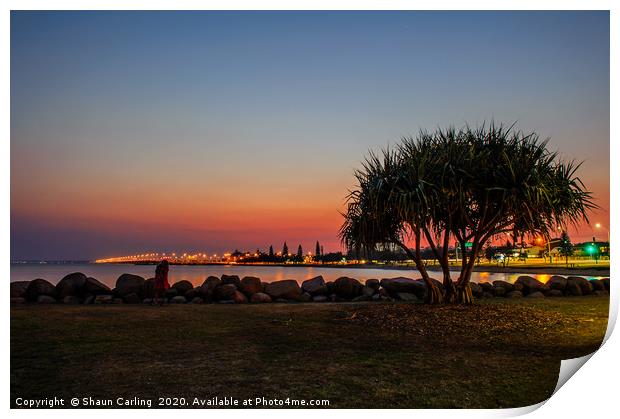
(556, 270)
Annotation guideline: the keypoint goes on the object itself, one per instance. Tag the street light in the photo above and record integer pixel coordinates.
(547, 243)
(592, 250)
(600, 226)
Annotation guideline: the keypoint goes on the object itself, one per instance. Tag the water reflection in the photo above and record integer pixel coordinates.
(196, 274)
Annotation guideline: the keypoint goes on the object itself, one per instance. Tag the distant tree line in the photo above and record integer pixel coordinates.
(285, 256)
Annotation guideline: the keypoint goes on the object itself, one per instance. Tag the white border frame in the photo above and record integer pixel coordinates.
(591, 392)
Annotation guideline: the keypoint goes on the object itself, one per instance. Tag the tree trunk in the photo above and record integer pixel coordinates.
(450, 289)
(463, 289)
(464, 294)
(433, 293)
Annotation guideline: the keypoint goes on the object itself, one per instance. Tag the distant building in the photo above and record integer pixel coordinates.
(591, 249)
(533, 251)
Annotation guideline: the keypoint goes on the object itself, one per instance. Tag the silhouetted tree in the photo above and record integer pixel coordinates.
(566, 247)
(271, 251)
(284, 250)
(471, 184)
(300, 253)
(318, 249)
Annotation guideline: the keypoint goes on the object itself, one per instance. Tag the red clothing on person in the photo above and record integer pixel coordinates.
(161, 277)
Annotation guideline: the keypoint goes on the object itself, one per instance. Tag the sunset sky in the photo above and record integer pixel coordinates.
(210, 131)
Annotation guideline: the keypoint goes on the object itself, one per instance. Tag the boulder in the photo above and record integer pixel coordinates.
(530, 284)
(103, 299)
(395, 285)
(18, 289)
(373, 284)
(573, 288)
(361, 298)
(250, 285)
(598, 285)
(319, 298)
(129, 283)
(95, 287)
(179, 299)
(406, 296)
(476, 289)
(260, 298)
(225, 292)
(314, 286)
(46, 299)
(584, 284)
(71, 299)
(239, 297)
(195, 292)
(72, 284)
(231, 279)
(555, 293)
(288, 289)
(39, 287)
(182, 287)
(514, 294)
(147, 301)
(600, 293)
(209, 285)
(305, 297)
(535, 294)
(499, 291)
(419, 288)
(329, 285)
(605, 282)
(171, 293)
(197, 300)
(368, 291)
(148, 288)
(486, 287)
(117, 300)
(506, 286)
(557, 282)
(345, 287)
(89, 299)
(132, 298)
(18, 300)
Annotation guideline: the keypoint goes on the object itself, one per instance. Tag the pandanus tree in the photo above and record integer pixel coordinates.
(469, 185)
(390, 208)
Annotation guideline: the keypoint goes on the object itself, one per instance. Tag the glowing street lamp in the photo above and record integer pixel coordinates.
(599, 226)
(592, 250)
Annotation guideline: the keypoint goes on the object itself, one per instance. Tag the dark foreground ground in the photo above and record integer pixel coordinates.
(498, 353)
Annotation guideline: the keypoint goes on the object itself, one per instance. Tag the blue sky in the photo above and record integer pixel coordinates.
(136, 131)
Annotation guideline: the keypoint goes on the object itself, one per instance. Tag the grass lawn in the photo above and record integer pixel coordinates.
(498, 353)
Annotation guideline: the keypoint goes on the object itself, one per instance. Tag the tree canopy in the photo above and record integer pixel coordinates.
(467, 185)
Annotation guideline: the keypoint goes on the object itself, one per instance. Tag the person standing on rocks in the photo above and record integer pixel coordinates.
(161, 282)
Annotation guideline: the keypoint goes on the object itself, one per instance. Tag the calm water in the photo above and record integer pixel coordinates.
(107, 273)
